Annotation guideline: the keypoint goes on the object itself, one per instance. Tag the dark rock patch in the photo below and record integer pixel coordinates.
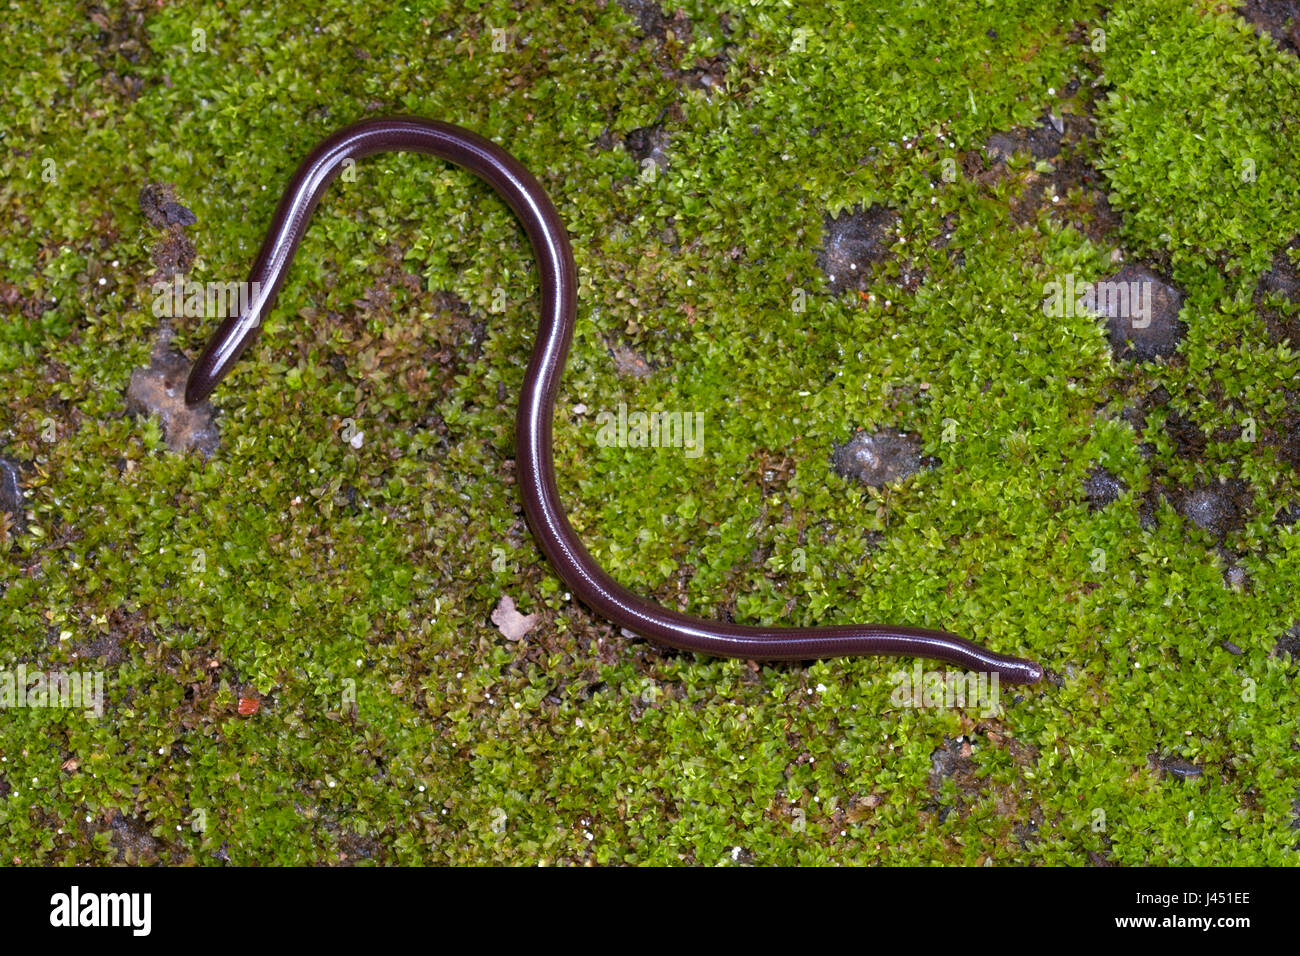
(1042, 140)
(105, 647)
(1289, 643)
(648, 142)
(1280, 19)
(1141, 313)
(1101, 488)
(14, 519)
(1217, 507)
(159, 205)
(1235, 578)
(880, 458)
(953, 763)
(1171, 765)
(1282, 277)
(160, 390)
(853, 243)
(124, 34)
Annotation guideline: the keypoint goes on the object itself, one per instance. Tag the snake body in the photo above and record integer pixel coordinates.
(535, 466)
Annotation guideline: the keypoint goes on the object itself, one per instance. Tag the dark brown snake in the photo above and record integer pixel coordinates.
(536, 472)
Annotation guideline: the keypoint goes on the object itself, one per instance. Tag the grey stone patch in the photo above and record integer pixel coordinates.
(1176, 767)
(648, 142)
(853, 243)
(1235, 577)
(1282, 277)
(12, 500)
(1219, 508)
(877, 459)
(1042, 140)
(160, 390)
(1289, 644)
(159, 205)
(1101, 488)
(1141, 313)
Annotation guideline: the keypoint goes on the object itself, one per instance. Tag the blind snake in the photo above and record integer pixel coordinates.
(536, 473)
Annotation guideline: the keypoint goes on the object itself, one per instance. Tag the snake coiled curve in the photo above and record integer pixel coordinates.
(535, 468)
